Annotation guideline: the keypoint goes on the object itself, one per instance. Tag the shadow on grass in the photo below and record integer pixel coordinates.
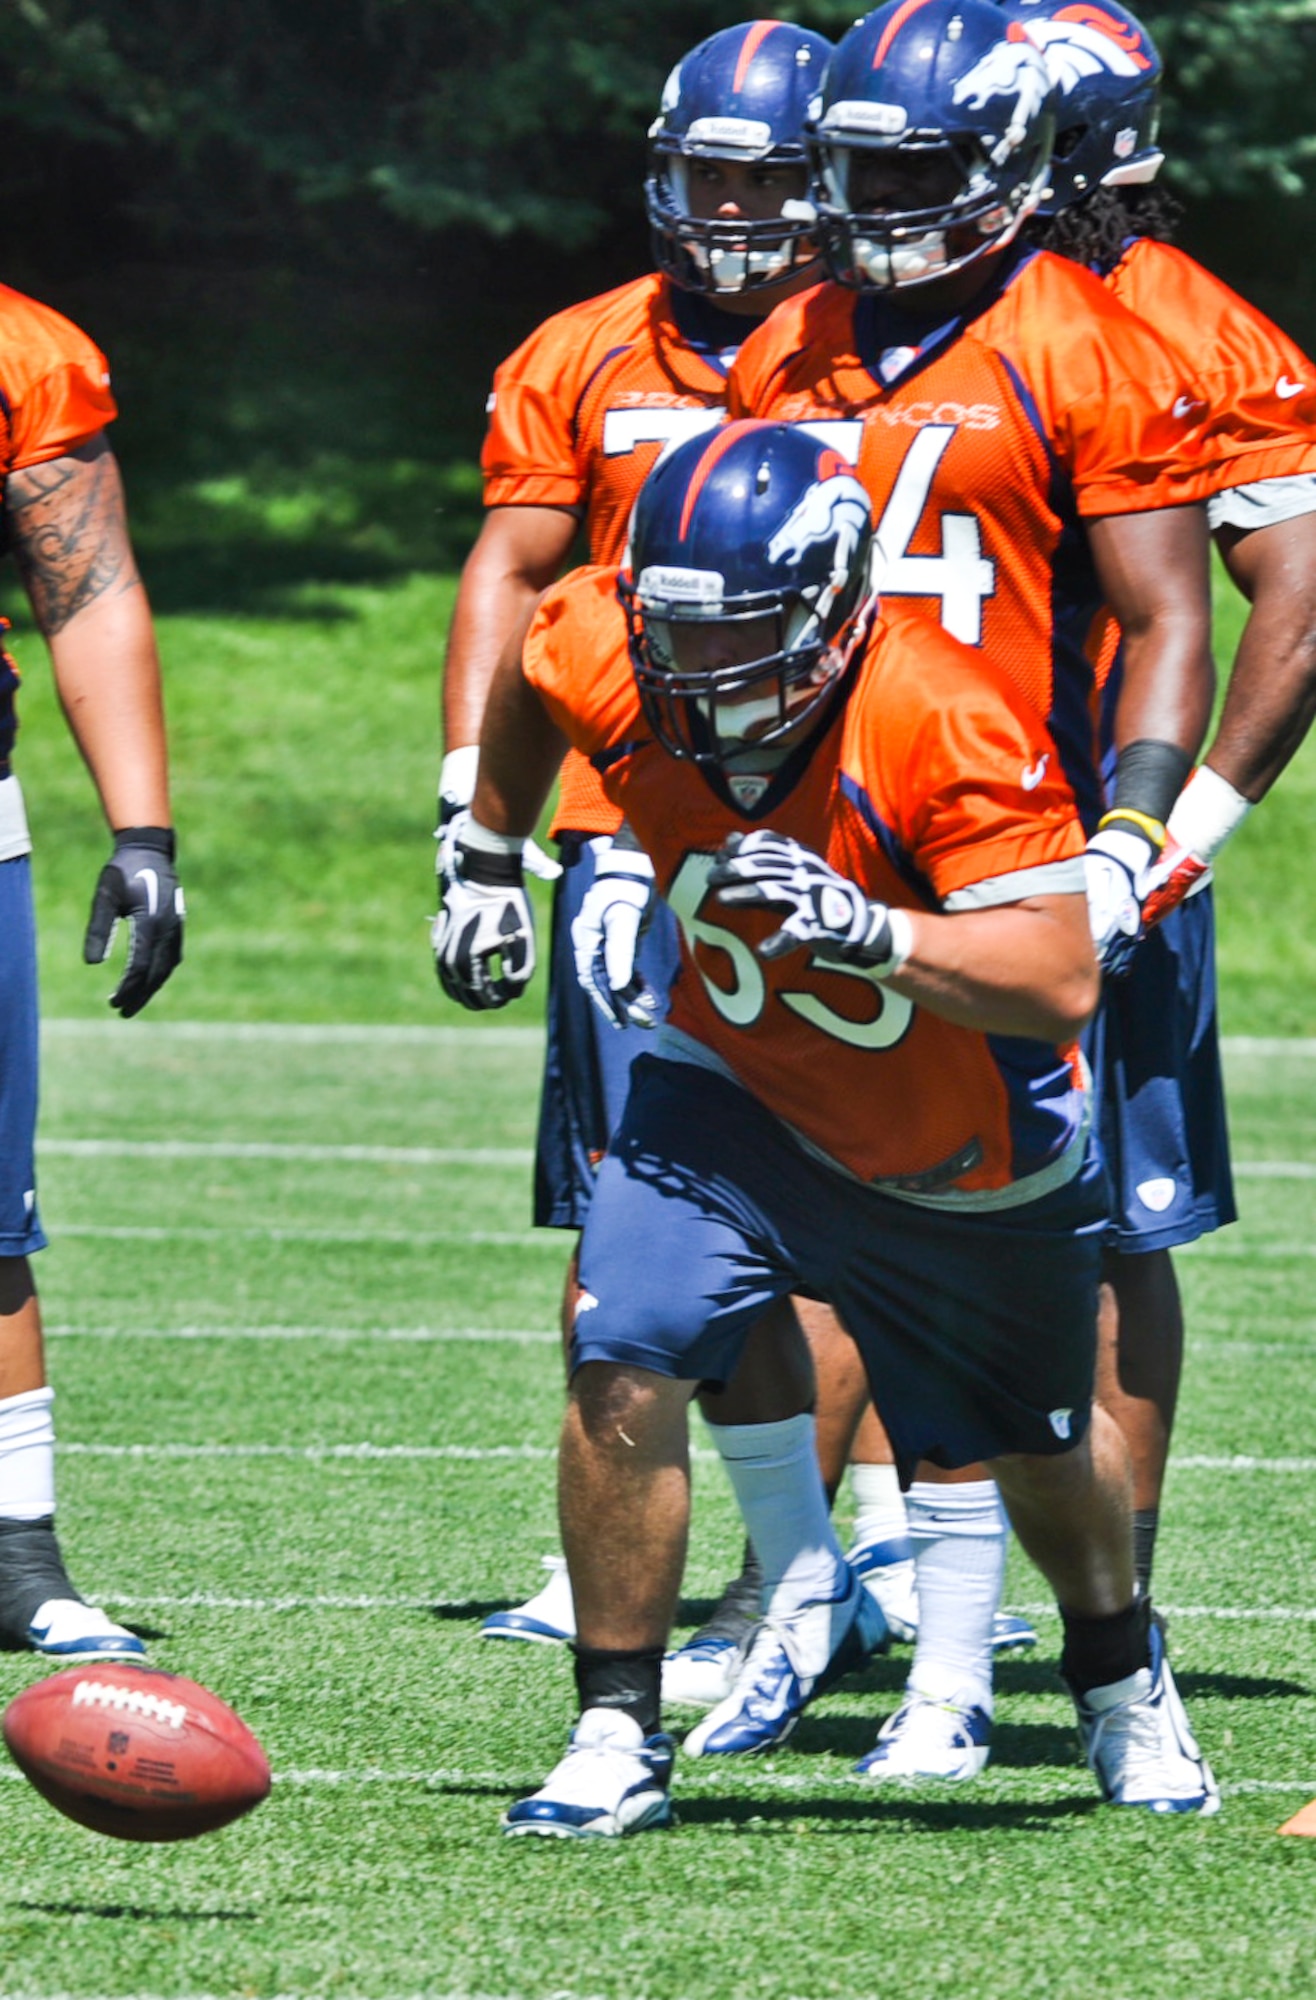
(927, 1815)
(1015, 1745)
(136, 1913)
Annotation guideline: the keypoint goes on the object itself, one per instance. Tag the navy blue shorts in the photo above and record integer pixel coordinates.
(1154, 1048)
(978, 1333)
(20, 1227)
(587, 1066)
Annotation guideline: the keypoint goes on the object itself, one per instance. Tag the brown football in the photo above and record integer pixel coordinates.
(135, 1752)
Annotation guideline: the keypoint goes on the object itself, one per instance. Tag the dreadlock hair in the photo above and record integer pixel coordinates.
(1094, 232)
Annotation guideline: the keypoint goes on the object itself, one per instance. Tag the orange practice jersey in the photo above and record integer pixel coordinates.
(986, 442)
(54, 383)
(935, 788)
(577, 417)
(54, 393)
(1260, 386)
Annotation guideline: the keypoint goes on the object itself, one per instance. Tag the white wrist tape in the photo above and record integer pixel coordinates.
(1206, 812)
(457, 774)
(902, 940)
(483, 839)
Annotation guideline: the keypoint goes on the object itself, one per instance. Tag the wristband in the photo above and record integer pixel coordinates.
(155, 839)
(1149, 777)
(902, 941)
(1151, 829)
(483, 840)
(457, 774)
(1207, 811)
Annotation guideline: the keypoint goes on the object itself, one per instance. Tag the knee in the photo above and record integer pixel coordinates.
(614, 1403)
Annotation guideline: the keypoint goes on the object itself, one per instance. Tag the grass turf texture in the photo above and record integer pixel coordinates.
(266, 1314)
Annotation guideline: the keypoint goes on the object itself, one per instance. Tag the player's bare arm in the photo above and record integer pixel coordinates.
(69, 530)
(517, 554)
(1155, 572)
(1024, 969)
(1271, 699)
(521, 750)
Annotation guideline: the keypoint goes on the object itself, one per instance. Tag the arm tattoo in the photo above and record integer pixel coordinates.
(69, 533)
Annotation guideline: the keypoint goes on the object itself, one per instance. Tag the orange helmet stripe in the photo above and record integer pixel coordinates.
(893, 28)
(753, 42)
(722, 439)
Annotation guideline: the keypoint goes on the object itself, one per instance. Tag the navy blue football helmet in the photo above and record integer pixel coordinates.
(943, 89)
(741, 95)
(747, 588)
(1107, 76)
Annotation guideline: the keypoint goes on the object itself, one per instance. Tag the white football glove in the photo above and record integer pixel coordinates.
(457, 776)
(485, 922)
(828, 914)
(1118, 865)
(614, 914)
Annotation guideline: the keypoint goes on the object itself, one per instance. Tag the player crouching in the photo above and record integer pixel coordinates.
(867, 1089)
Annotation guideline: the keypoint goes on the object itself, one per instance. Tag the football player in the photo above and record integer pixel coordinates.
(868, 1087)
(64, 521)
(1162, 1110)
(578, 415)
(1022, 435)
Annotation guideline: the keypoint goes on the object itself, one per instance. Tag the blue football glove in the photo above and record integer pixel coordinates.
(614, 915)
(138, 884)
(827, 914)
(485, 923)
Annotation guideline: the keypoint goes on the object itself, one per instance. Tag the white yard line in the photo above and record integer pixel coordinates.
(420, 1335)
(257, 1149)
(501, 1239)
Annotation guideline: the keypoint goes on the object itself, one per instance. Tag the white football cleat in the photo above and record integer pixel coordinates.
(791, 1661)
(548, 1618)
(701, 1673)
(63, 1628)
(945, 1740)
(613, 1780)
(1136, 1738)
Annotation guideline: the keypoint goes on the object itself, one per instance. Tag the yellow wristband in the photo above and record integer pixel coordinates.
(1144, 822)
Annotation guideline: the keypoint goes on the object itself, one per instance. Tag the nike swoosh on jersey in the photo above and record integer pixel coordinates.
(1185, 405)
(1285, 389)
(1032, 774)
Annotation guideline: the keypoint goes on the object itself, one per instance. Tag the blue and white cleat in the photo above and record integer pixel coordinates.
(548, 1618)
(613, 1780)
(889, 1574)
(886, 1570)
(701, 1673)
(945, 1740)
(1136, 1738)
(1011, 1633)
(789, 1664)
(64, 1628)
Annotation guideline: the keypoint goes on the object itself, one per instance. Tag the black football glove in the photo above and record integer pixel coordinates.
(138, 883)
(485, 923)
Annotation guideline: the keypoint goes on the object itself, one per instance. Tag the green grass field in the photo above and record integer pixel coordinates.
(308, 1395)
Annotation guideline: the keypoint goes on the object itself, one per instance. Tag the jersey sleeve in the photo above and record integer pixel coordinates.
(1123, 413)
(529, 457)
(54, 383)
(1260, 385)
(989, 817)
(575, 657)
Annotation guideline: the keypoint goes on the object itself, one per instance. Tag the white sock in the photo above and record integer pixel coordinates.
(879, 1508)
(27, 1456)
(959, 1537)
(773, 1469)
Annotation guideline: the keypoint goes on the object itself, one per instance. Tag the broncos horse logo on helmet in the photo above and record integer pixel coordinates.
(1107, 74)
(741, 95)
(937, 88)
(748, 591)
